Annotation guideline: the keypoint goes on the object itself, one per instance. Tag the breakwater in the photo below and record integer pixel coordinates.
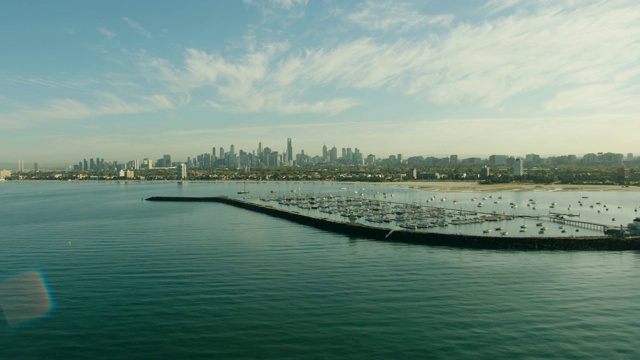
(427, 238)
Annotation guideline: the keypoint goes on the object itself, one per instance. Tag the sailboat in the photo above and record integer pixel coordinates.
(245, 191)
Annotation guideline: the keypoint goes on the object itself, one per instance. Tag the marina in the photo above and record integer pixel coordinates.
(435, 224)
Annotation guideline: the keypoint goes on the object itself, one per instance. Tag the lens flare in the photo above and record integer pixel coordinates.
(25, 297)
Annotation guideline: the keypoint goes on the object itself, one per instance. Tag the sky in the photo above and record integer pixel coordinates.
(125, 80)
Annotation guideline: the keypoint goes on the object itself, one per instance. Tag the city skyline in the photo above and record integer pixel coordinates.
(290, 156)
(411, 77)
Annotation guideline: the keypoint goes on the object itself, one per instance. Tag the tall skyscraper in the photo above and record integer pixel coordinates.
(232, 150)
(167, 160)
(289, 151)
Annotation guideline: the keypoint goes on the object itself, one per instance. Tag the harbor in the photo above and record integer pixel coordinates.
(428, 224)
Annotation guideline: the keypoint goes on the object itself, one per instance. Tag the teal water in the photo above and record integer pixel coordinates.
(132, 279)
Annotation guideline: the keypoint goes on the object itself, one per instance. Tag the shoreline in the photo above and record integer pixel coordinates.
(455, 186)
(432, 186)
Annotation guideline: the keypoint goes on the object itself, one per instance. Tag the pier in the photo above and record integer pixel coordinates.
(427, 238)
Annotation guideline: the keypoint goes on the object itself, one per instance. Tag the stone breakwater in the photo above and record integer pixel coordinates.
(433, 239)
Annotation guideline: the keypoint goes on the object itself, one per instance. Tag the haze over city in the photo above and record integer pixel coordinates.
(138, 80)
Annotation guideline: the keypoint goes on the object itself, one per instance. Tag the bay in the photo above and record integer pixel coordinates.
(133, 279)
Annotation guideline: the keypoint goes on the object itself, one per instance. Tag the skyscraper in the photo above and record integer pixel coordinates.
(289, 151)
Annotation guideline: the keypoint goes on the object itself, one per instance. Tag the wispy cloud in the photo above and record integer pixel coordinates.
(557, 47)
(275, 10)
(106, 32)
(137, 27)
(70, 109)
(496, 6)
(394, 15)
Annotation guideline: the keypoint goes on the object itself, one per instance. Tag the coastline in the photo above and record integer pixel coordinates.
(460, 186)
(433, 186)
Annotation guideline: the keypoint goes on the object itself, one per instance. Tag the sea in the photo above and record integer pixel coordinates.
(90, 270)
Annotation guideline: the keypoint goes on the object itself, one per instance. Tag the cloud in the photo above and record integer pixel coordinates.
(394, 15)
(137, 27)
(106, 32)
(275, 11)
(496, 6)
(555, 49)
(70, 109)
(254, 84)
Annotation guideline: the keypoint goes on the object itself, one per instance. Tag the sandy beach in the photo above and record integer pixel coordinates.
(454, 186)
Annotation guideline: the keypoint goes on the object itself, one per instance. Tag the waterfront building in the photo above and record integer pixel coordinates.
(484, 172)
(518, 167)
(182, 171)
(35, 167)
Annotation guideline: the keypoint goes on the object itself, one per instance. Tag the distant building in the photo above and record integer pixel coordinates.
(5, 173)
(518, 167)
(484, 172)
(182, 171)
(289, 151)
(498, 159)
(412, 174)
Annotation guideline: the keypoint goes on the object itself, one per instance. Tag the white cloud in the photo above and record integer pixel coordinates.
(137, 27)
(70, 109)
(496, 6)
(563, 47)
(394, 15)
(106, 32)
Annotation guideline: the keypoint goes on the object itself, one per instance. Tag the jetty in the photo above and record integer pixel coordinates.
(403, 235)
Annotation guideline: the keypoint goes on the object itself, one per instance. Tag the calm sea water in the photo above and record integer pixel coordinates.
(132, 279)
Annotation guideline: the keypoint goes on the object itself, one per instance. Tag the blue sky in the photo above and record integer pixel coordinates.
(128, 80)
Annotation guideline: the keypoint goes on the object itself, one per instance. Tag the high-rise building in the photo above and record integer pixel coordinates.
(289, 151)
(325, 153)
(333, 155)
(182, 171)
(518, 167)
(35, 167)
(166, 159)
(232, 150)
